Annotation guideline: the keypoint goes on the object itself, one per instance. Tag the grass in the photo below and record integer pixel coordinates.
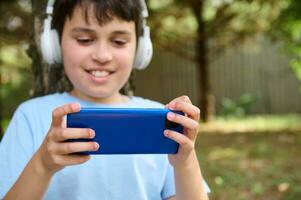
(255, 123)
(252, 158)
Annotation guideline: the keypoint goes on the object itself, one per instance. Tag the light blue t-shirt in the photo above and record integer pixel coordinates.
(106, 177)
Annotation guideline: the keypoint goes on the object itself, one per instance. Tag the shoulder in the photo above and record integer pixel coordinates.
(36, 113)
(145, 103)
(40, 108)
(42, 103)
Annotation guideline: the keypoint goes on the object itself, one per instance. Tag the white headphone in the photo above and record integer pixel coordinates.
(51, 50)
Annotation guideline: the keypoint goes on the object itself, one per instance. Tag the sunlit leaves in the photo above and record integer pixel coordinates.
(288, 28)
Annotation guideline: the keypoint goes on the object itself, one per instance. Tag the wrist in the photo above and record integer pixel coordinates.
(40, 166)
(191, 161)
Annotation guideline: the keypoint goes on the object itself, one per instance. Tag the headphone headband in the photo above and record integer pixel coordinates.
(144, 9)
(50, 4)
(49, 9)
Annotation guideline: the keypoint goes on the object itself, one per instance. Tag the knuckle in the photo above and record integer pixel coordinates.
(69, 147)
(176, 117)
(80, 160)
(68, 108)
(54, 113)
(51, 133)
(83, 159)
(177, 104)
(195, 129)
(186, 98)
(56, 160)
(89, 146)
(185, 142)
(197, 111)
(65, 109)
(189, 145)
(63, 134)
(195, 126)
(50, 148)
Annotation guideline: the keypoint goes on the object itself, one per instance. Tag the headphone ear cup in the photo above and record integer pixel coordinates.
(50, 46)
(144, 50)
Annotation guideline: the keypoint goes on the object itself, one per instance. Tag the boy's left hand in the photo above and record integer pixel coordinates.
(190, 123)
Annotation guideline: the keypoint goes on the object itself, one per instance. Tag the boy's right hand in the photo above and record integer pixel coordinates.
(55, 153)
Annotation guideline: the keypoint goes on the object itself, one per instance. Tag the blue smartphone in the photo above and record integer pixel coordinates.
(127, 130)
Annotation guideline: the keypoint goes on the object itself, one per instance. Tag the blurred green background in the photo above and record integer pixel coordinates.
(238, 60)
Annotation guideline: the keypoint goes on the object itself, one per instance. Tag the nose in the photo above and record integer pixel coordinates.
(102, 53)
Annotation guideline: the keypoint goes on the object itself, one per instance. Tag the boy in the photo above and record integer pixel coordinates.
(98, 42)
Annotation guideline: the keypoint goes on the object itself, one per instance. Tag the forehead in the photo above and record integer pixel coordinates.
(94, 12)
(81, 18)
(87, 15)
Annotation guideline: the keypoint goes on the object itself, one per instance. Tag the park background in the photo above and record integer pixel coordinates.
(238, 60)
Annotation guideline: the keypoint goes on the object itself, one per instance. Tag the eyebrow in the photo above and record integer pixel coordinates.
(121, 32)
(79, 29)
(87, 30)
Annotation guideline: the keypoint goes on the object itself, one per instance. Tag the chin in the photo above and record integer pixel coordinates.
(100, 95)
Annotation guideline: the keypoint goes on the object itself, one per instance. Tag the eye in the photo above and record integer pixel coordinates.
(120, 43)
(84, 41)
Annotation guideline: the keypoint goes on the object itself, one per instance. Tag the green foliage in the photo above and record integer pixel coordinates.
(287, 28)
(227, 23)
(239, 108)
(15, 76)
(16, 79)
(296, 66)
(4, 125)
(15, 21)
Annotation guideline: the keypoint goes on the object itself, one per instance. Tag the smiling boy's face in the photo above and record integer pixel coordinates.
(98, 59)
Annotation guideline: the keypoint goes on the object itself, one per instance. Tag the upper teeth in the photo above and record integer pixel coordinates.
(100, 73)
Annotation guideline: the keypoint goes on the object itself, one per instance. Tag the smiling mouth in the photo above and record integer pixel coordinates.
(99, 73)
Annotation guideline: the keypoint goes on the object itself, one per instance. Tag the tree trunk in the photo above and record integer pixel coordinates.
(206, 100)
(47, 79)
(38, 10)
(45, 76)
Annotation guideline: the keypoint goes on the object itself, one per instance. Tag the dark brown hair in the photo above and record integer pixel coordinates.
(104, 11)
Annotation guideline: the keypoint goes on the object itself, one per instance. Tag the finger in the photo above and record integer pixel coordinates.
(73, 133)
(181, 139)
(75, 147)
(59, 113)
(73, 159)
(191, 110)
(184, 98)
(183, 120)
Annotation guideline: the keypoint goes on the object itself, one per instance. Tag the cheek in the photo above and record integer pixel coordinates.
(72, 55)
(126, 58)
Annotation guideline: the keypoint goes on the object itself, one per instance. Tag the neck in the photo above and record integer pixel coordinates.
(114, 99)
